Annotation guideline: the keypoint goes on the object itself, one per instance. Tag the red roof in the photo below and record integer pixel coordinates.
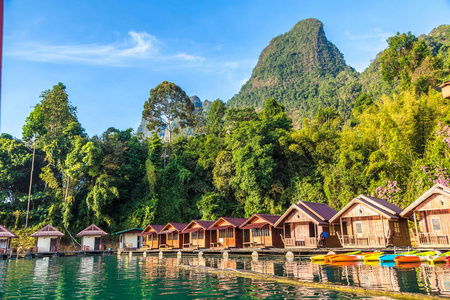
(177, 226)
(203, 224)
(156, 229)
(91, 230)
(48, 230)
(4, 232)
(236, 222)
(270, 219)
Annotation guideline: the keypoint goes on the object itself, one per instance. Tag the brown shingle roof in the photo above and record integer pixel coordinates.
(204, 224)
(271, 219)
(381, 206)
(5, 232)
(48, 230)
(91, 230)
(323, 210)
(237, 222)
(178, 226)
(386, 204)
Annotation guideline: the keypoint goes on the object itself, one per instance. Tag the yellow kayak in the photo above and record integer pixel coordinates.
(439, 258)
(373, 256)
(376, 256)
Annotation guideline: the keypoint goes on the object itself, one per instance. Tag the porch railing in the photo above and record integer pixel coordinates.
(432, 239)
(300, 242)
(369, 240)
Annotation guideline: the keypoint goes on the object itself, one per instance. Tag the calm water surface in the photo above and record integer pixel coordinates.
(112, 277)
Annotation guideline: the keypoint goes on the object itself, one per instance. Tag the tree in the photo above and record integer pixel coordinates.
(215, 118)
(168, 108)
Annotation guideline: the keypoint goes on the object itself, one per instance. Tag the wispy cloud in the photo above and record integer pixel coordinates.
(373, 38)
(139, 46)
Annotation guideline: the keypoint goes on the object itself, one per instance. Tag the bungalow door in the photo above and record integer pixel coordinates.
(97, 243)
(54, 244)
(3, 245)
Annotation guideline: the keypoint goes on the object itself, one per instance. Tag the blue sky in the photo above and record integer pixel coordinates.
(109, 54)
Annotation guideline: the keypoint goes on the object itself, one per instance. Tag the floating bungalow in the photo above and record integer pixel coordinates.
(5, 239)
(170, 236)
(150, 236)
(130, 238)
(197, 234)
(225, 233)
(306, 225)
(371, 222)
(431, 215)
(47, 239)
(259, 231)
(91, 238)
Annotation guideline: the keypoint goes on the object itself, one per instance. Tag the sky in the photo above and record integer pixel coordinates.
(109, 54)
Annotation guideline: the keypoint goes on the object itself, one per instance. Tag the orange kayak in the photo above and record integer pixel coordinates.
(413, 258)
(401, 259)
(349, 258)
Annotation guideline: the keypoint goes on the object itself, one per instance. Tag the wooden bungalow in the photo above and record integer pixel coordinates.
(5, 239)
(197, 234)
(225, 233)
(130, 238)
(371, 222)
(306, 225)
(170, 236)
(47, 239)
(259, 231)
(91, 238)
(445, 89)
(149, 236)
(431, 215)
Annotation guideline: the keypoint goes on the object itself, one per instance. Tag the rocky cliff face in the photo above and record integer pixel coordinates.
(302, 70)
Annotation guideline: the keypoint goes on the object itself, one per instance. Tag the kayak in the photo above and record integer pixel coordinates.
(348, 258)
(325, 256)
(373, 257)
(439, 258)
(391, 257)
(329, 257)
(447, 259)
(413, 258)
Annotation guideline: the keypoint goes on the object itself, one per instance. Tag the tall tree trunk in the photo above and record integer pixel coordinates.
(31, 182)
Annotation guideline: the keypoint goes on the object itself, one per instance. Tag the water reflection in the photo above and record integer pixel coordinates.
(136, 277)
(412, 278)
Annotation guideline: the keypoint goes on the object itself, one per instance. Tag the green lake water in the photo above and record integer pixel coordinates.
(122, 277)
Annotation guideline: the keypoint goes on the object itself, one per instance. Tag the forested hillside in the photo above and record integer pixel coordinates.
(392, 142)
(303, 71)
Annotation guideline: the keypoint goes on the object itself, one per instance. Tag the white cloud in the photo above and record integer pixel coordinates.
(188, 57)
(140, 46)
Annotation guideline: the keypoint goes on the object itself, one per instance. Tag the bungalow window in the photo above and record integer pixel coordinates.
(397, 227)
(255, 232)
(200, 235)
(358, 228)
(436, 223)
(226, 233)
(265, 231)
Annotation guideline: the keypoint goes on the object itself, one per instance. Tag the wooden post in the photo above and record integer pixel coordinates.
(384, 230)
(342, 232)
(417, 237)
(316, 232)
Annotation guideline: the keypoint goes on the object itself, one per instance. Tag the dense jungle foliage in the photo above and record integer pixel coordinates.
(394, 144)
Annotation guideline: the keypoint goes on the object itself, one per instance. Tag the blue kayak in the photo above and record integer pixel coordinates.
(390, 257)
